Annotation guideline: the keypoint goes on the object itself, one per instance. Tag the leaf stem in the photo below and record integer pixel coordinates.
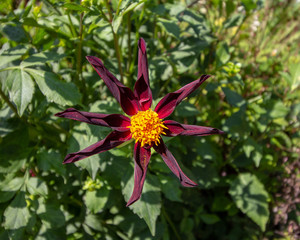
(5, 98)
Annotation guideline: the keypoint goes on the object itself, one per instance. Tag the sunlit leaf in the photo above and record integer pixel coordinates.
(54, 89)
(17, 214)
(21, 89)
(148, 207)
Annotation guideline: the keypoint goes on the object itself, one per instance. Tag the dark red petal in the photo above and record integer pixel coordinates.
(113, 139)
(175, 129)
(123, 94)
(141, 157)
(173, 165)
(142, 89)
(168, 103)
(114, 121)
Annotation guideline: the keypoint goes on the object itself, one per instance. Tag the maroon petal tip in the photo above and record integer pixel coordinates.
(132, 201)
(142, 45)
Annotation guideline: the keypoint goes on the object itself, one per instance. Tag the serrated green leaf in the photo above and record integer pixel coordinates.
(12, 54)
(37, 186)
(96, 200)
(251, 198)
(149, 206)
(81, 139)
(42, 58)
(54, 89)
(21, 88)
(17, 214)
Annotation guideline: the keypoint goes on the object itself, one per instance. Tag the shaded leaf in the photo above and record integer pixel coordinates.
(251, 198)
(96, 200)
(170, 27)
(51, 215)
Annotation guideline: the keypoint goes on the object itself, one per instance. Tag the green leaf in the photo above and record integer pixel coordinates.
(170, 27)
(295, 75)
(253, 149)
(117, 20)
(54, 89)
(233, 97)
(222, 54)
(186, 109)
(208, 175)
(149, 206)
(82, 138)
(209, 218)
(50, 214)
(96, 200)
(21, 88)
(277, 109)
(51, 159)
(36, 186)
(9, 187)
(94, 222)
(17, 214)
(41, 58)
(234, 20)
(14, 32)
(12, 54)
(75, 7)
(170, 187)
(251, 198)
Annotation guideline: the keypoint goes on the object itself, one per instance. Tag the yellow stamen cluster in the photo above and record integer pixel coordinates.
(146, 127)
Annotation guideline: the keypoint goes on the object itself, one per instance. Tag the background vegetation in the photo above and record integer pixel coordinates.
(248, 179)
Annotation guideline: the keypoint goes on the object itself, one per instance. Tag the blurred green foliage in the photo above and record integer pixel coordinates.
(248, 179)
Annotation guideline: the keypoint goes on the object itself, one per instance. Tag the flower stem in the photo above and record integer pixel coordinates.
(116, 39)
(129, 46)
(79, 57)
(170, 222)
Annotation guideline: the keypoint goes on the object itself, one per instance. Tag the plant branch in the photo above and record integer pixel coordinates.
(170, 222)
(5, 98)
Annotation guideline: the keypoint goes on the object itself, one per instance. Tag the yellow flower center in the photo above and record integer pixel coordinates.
(146, 127)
